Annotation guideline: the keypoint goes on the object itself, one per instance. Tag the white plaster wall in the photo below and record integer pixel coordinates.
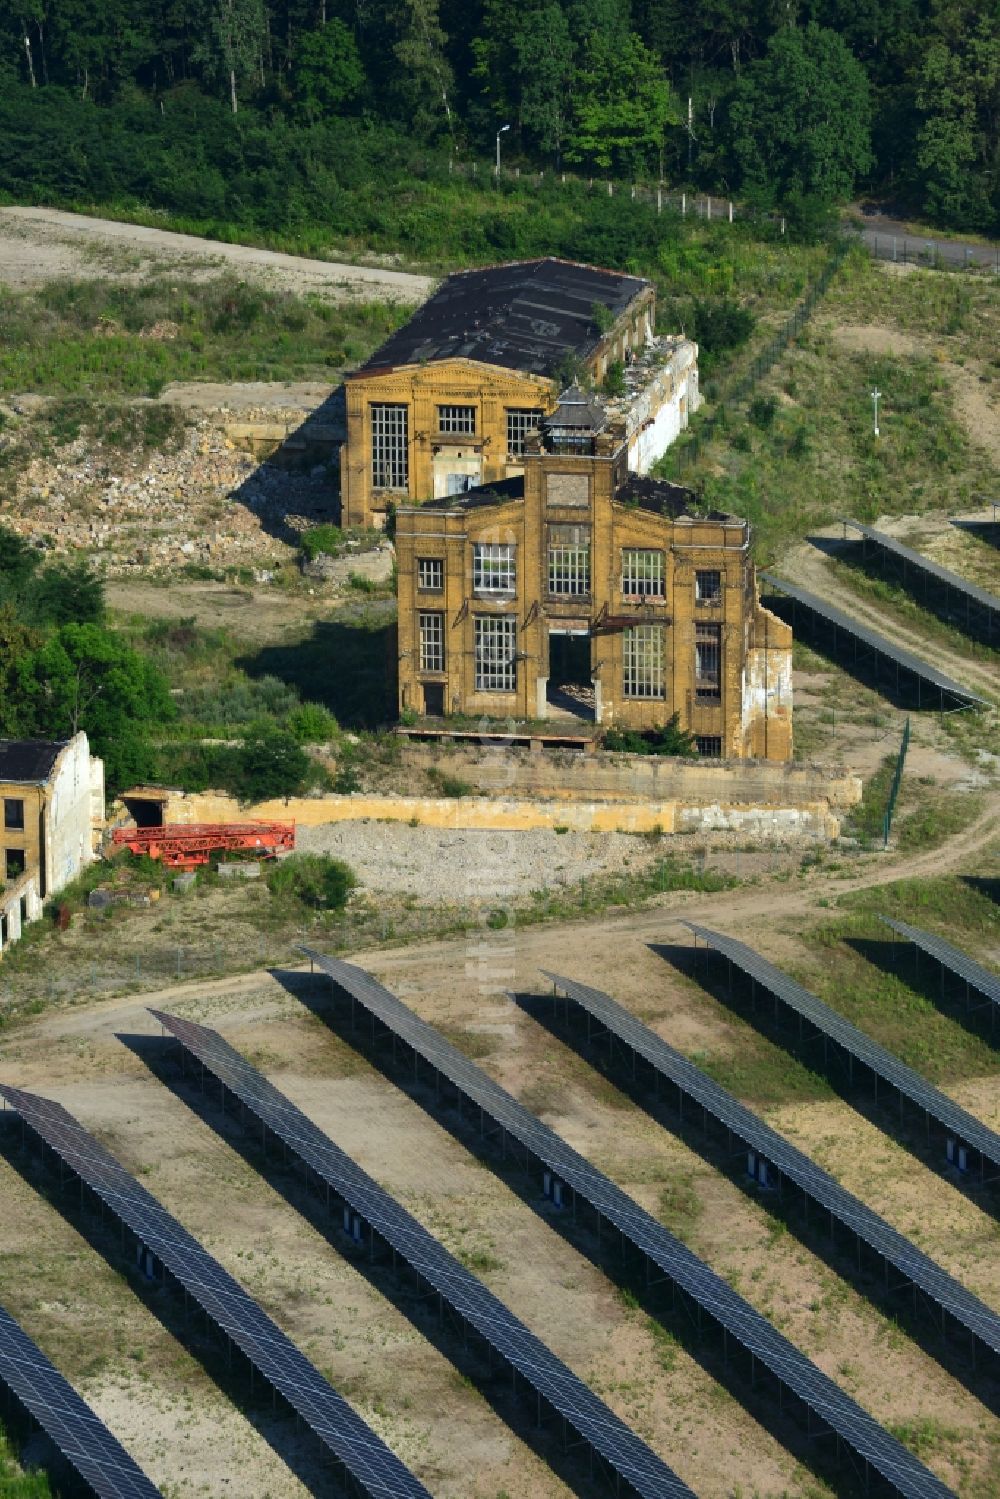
(69, 830)
(767, 684)
(652, 442)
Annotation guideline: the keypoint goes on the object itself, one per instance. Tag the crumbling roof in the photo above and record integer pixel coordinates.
(672, 501)
(28, 760)
(526, 316)
(498, 492)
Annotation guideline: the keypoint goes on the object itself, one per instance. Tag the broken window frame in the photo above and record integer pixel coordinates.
(706, 591)
(643, 662)
(496, 653)
(13, 813)
(494, 567)
(708, 663)
(15, 863)
(642, 573)
(569, 570)
(709, 746)
(520, 421)
(430, 632)
(390, 435)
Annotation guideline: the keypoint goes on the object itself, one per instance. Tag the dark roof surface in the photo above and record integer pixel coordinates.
(660, 497)
(523, 316)
(27, 759)
(577, 409)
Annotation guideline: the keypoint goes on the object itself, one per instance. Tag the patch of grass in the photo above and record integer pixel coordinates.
(114, 338)
(15, 1483)
(679, 1206)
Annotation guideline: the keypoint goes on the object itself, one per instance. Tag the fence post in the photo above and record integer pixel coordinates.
(611, 189)
(897, 778)
(633, 192)
(730, 210)
(708, 207)
(684, 205)
(782, 224)
(659, 200)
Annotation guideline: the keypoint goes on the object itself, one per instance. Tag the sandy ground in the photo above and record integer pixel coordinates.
(42, 244)
(183, 1429)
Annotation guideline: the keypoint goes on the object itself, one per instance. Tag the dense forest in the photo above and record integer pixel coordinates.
(252, 110)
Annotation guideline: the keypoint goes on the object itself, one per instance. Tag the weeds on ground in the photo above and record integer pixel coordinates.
(15, 1483)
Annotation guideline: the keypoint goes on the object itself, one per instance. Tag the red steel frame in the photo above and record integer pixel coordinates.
(186, 845)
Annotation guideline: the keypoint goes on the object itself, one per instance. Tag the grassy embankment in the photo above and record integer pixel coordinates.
(802, 453)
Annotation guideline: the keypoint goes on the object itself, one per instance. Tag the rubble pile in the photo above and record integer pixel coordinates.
(203, 502)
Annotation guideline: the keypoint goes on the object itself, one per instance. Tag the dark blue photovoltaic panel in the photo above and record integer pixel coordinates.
(379, 1472)
(860, 1431)
(907, 1082)
(952, 958)
(873, 640)
(933, 569)
(83, 1439)
(910, 1261)
(467, 1295)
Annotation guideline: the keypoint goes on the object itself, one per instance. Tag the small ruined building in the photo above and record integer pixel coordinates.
(52, 801)
(446, 404)
(582, 590)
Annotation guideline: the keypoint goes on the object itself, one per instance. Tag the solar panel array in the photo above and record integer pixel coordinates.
(365, 1456)
(908, 1083)
(904, 659)
(934, 569)
(952, 958)
(911, 1262)
(81, 1437)
(854, 1426)
(466, 1294)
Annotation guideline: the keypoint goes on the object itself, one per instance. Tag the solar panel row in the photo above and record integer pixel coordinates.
(953, 1119)
(925, 564)
(796, 1373)
(364, 1455)
(82, 1438)
(904, 660)
(917, 1268)
(567, 1395)
(953, 958)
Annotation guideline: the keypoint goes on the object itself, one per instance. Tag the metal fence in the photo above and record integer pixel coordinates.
(936, 254)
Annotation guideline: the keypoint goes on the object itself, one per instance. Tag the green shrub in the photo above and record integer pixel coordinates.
(762, 412)
(311, 723)
(614, 380)
(668, 739)
(318, 881)
(326, 540)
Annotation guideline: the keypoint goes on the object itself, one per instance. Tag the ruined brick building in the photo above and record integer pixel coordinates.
(579, 588)
(446, 403)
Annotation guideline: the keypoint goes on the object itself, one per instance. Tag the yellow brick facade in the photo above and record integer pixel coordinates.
(426, 393)
(636, 657)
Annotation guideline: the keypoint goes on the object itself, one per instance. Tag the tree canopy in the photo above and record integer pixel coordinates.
(786, 101)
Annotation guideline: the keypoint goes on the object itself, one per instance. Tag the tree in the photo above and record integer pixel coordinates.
(328, 70)
(84, 677)
(622, 103)
(17, 641)
(239, 30)
(958, 94)
(543, 53)
(800, 118)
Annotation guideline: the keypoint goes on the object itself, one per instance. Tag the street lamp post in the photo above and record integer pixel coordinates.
(876, 397)
(499, 134)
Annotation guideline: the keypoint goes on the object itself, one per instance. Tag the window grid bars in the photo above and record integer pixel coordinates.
(493, 569)
(708, 586)
(569, 570)
(707, 658)
(496, 645)
(430, 574)
(390, 445)
(431, 641)
(520, 420)
(642, 647)
(642, 573)
(460, 419)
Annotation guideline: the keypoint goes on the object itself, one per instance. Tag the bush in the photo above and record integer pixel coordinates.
(269, 763)
(311, 723)
(668, 739)
(321, 540)
(762, 411)
(316, 880)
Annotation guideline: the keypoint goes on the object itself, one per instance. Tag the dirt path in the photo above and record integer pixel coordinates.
(41, 244)
(808, 566)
